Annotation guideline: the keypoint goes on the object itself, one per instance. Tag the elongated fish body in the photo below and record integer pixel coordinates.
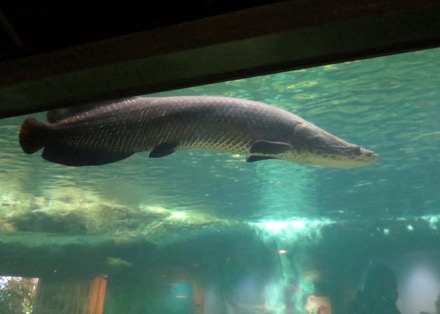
(115, 130)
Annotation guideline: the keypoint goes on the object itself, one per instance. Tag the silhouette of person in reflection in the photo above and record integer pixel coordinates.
(437, 305)
(379, 294)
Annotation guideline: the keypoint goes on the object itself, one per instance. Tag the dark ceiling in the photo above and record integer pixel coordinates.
(29, 27)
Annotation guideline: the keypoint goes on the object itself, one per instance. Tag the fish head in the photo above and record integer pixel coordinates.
(320, 148)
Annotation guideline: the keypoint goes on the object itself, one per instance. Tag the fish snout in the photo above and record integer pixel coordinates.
(369, 154)
(331, 151)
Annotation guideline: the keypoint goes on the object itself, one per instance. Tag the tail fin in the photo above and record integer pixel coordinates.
(32, 135)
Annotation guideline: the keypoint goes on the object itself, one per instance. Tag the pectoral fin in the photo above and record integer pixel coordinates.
(162, 150)
(270, 148)
(254, 158)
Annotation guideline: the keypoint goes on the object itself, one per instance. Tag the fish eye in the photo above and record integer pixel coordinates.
(358, 150)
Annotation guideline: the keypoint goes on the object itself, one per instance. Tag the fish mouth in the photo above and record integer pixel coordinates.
(352, 157)
(364, 158)
(369, 154)
(342, 154)
(324, 149)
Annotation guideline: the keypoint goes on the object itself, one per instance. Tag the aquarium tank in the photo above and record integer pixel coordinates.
(203, 231)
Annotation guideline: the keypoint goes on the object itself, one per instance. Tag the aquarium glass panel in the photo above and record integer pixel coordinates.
(204, 231)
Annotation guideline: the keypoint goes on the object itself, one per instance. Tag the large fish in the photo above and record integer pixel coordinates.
(115, 130)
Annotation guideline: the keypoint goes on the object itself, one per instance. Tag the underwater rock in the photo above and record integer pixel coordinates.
(38, 221)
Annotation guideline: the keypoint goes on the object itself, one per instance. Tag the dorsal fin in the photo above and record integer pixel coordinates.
(56, 115)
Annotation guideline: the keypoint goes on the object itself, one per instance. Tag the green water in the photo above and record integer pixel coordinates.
(388, 211)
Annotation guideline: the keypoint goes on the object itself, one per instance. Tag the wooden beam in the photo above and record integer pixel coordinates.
(283, 36)
(78, 296)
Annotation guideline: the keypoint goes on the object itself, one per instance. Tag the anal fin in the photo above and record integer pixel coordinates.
(80, 157)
